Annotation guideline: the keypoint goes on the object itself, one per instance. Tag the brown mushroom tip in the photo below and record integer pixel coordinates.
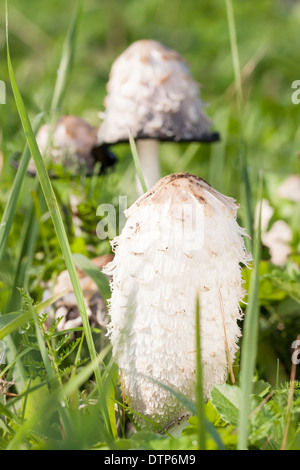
(73, 146)
(179, 187)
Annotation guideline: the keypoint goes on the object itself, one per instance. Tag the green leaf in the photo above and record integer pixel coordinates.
(226, 399)
(267, 291)
(13, 320)
(35, 398)
(227, 433)
(6, 412)
(286, 282)
(260, 388)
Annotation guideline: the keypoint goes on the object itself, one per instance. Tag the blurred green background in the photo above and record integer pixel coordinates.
(268, 44)
(267, 33)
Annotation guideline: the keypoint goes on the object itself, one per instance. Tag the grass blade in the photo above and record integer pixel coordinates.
(249, 344)
(63, 73)
(245, 180)
(190, 406)
(13, 320)
(57, 395)
(10, 208)
(235, 54)
(94, 273)
(14, 361)
(52, 206)
(66, 63)
(7, 219)
(199, 383)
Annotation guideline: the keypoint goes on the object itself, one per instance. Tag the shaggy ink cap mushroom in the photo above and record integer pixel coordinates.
(151, 93)
(74, 146)
(180, 238)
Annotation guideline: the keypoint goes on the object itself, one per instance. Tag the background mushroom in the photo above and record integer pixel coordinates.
(73, 146)
(181, 238)
(152, 93)
(66, 307)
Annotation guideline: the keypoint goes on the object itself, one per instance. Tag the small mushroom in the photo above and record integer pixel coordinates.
(66, 308)
(74, 146)
(181, 238)
(152, 94)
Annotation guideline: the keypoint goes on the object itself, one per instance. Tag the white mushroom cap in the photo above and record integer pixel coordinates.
(73, 145)
(152, 93)
(180, 238)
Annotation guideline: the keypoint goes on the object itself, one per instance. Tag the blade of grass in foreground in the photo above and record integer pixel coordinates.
(199, 383)
(26, 251)
(245, 180)
(249, 344)
(53, 208)
(192, 407)
(66, 63)
(58, 394)
(64, 71)
(94, 273)
(10, 208)
(63, 76)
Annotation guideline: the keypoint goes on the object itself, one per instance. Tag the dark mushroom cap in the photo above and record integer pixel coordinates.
(152, 93)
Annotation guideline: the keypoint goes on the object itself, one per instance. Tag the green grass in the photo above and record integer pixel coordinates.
(249, 351)
(66, 387)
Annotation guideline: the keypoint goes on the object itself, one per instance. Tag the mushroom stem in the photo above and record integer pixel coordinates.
(149, 158)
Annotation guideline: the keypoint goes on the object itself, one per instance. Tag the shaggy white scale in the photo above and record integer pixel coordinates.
(181, 238)
(152, 93)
